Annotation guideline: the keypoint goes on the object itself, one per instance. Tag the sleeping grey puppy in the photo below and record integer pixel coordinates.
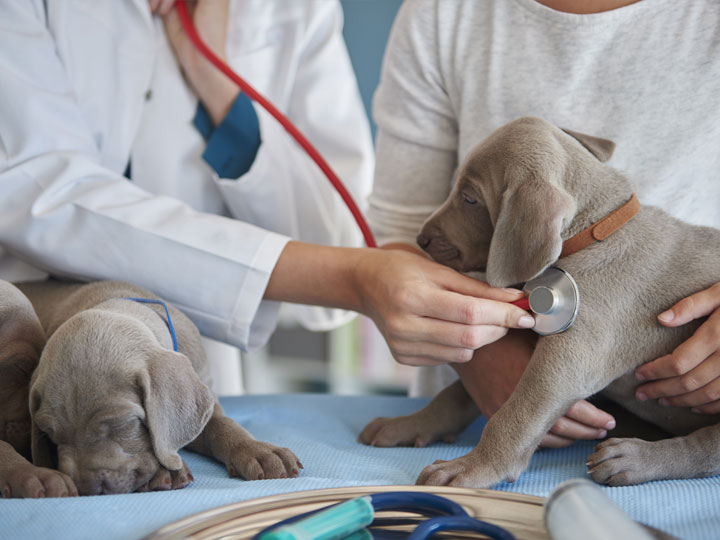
(111, 403)
(519, 195)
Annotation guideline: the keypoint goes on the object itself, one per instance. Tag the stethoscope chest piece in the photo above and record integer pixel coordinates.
(554, 299)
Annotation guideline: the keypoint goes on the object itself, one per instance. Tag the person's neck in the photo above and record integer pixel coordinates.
(585, 7)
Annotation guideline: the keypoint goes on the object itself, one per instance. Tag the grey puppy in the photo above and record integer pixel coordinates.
(21, 341)
(519, 195)
(111, 403)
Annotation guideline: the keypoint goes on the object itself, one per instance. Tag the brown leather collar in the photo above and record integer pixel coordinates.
(602, 229)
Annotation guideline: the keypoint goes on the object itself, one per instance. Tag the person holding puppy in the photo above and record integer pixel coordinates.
(115, 164)
(456, 71)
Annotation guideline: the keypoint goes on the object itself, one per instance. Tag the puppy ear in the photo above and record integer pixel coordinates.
(177, 405)
(527, 237)
(600, 148)
(44, 452)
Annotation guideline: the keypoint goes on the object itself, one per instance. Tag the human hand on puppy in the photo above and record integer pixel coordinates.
(210, 17)
(494, 372)
(690, 375)
(428, 313)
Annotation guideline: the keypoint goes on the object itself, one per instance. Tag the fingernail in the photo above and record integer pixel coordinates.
(664, 402)
(602, 434)
(696, 410)
(640, 396)
(512, 291)
(667, 316)
(639, 376)
(610, 425)
(526, 321)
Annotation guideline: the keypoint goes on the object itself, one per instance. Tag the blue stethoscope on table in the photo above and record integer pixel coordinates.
(354, 519)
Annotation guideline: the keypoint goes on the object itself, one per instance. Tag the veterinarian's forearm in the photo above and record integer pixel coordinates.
(317, 275)
(428, 313)
(404, 247)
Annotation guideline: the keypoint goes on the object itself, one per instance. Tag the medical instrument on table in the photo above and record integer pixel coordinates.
(253, 94)
(578, 508)
(554, 299)
(520, 514)
(348, 520)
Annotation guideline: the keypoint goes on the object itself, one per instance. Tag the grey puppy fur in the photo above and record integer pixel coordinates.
(519, 194)
(111, 403)
(21, 342)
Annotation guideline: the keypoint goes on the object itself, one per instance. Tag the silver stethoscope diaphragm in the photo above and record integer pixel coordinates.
(554, 299)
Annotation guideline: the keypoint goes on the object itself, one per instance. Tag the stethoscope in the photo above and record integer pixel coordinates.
(554, 299)
(553, 296)
(355, 520)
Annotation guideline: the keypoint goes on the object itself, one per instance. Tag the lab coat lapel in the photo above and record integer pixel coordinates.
(109, 77)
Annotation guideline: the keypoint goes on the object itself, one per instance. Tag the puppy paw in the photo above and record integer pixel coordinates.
(403, 431)
(622, 462)
(165, 480)
(467, 471)
(31, 482)
(259, 460)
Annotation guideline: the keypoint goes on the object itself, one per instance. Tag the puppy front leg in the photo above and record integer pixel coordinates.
(243, 456)
(445, 417)
(552, 382)
(629, 461)
(165, 479)
(21, 479)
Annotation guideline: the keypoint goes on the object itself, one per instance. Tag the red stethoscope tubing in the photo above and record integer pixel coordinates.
(523, 303)
(253, 94)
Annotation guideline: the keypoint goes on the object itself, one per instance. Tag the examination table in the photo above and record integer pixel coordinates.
(322, 431)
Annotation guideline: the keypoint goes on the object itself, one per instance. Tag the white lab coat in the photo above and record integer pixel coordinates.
(86, 86)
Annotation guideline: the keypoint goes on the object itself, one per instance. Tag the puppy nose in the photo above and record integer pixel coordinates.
(423, 241)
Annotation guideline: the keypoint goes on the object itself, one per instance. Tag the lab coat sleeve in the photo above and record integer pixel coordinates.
(62, 210)
(416, 148)
(284, 190)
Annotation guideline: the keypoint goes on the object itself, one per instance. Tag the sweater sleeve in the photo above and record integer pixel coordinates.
(416, 149)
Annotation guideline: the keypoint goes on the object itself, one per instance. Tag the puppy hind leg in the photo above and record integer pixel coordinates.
(623, 462)
(445, 417)
(243, 456)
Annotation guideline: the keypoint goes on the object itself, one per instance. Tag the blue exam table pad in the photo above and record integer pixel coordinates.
(322, 430)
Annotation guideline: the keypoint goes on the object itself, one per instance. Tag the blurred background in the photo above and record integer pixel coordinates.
(352, 359)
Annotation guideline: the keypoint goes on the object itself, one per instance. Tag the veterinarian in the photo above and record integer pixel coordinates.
(456, 71)
(125, 155)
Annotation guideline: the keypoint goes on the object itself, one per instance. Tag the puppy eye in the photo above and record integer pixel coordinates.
(468, 199)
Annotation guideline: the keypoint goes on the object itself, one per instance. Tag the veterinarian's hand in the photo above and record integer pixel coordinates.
(210, 17)
(495, 371)
(430, 314)
(690, 376)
